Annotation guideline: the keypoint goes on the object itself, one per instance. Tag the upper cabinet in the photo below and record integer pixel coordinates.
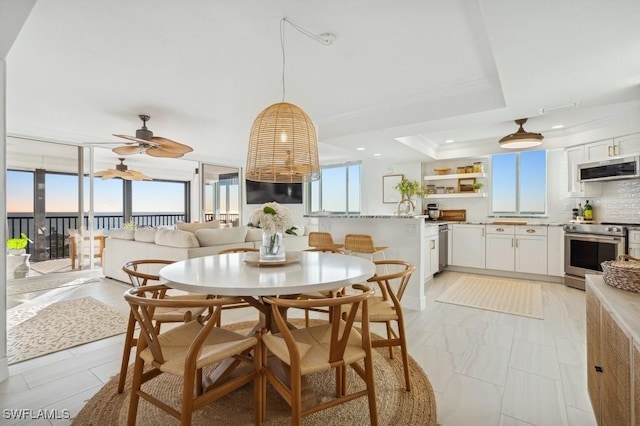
(622, 146)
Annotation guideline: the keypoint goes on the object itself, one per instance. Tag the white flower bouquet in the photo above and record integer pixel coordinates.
(272, 218)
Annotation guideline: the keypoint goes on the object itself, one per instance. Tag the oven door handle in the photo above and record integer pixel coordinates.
(592, 238)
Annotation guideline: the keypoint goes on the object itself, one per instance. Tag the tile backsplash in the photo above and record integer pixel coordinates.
(619, 202)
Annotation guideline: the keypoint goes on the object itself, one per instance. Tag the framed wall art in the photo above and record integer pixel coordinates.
(389, 194)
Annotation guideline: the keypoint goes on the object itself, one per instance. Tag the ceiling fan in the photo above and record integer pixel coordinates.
(155, 146)
(122, 172)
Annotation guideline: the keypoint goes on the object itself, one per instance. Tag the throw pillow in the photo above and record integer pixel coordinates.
(193, 227)
(122, 234)
(216, 237)
(145, 235)
(176, 238)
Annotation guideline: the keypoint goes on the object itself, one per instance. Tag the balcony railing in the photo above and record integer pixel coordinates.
(57, 229)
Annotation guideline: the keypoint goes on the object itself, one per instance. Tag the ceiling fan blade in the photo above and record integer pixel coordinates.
(134, 139)
(138, 176)
(169, 145)
(161, 152)
(128, 149)
(103, 173)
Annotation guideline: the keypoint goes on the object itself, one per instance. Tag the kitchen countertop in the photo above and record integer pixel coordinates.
(437, 222)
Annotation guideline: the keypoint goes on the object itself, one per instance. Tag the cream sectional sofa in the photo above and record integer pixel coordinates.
(124, 245)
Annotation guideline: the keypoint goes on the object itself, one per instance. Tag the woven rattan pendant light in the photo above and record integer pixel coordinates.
(283, 144)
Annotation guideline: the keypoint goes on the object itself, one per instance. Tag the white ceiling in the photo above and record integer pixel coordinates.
(400, 79)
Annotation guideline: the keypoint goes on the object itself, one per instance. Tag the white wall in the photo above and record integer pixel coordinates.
(4, 368)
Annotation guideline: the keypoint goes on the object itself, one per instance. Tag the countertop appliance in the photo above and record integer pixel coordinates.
(433, 211)
(586, 246)
(616, 169)
(443, 246)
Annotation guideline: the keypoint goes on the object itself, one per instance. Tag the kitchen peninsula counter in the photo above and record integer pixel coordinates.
(405, 236)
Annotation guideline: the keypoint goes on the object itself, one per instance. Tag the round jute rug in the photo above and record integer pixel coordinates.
(395, 406)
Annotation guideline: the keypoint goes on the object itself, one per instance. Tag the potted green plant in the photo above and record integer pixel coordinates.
(477, 186)
(18, 245)
(409, 189)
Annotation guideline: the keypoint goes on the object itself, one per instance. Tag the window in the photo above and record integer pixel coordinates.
(519, 183)
(337, 190)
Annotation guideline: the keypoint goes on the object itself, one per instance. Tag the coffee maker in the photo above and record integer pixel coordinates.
(433, 211)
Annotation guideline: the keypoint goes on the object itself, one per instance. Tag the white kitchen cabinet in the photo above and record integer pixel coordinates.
(555, 251)
(622, 146)
(468, 245)
(517, 248)
(573, 156)
(500, 247)
(634, 244)
(430, 250)
(531, 249)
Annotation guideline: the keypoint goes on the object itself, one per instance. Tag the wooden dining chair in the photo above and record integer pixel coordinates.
(240, 303)
(185, 350)
(387, 308)
(362, 244)
(140, 274)
(320, 294)
(334, 345)
(322, 240)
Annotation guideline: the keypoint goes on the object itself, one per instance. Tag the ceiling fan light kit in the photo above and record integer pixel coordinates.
(155, 146)
(283, 143)
(521, 138)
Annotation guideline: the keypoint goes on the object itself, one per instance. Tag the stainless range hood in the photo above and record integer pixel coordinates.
(616, 169)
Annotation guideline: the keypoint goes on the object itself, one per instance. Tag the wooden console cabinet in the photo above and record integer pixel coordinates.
(613, 353)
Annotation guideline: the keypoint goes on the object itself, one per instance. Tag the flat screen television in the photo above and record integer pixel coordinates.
(283, 193)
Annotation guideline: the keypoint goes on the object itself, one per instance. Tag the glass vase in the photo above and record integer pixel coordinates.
(272, 248)
(406, 207)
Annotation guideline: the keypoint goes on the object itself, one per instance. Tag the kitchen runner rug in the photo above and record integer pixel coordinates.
(40, 330)
(510, 296)
(395, 406)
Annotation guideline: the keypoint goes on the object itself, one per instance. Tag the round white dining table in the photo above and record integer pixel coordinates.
(232, 275)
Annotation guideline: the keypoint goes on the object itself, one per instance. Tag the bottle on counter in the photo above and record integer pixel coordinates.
(588, 211)
(580, 211)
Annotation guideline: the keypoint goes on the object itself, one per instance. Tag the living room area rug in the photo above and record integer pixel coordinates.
(40, 330)
(510, 296)
(395, 406)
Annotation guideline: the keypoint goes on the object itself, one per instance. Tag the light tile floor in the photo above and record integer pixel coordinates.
(486, 368)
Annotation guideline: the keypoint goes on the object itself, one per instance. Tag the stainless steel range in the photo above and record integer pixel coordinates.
(586, 246)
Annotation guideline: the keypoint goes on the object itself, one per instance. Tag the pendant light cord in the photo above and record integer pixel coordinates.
(282, 21)
(324, 38)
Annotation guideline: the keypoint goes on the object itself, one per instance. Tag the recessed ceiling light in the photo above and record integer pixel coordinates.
(449, 141)
(377, 154)
(360, 149)
(558, 126)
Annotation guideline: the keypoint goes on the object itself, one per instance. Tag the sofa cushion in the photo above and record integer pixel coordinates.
(122, 233)
(176, 238)
(254, 234)
(193, 227)
(216, 237)
(145, 235)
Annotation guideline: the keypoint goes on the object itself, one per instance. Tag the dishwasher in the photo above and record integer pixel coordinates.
(443, 246)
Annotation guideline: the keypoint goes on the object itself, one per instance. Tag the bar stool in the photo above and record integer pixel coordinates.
(362, 244)
(322, 240)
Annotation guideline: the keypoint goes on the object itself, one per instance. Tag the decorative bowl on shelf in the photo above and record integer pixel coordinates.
(441, 170)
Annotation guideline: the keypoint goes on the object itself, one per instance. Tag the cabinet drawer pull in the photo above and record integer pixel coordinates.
(500, 229)
(531, 231)
(598, 369)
